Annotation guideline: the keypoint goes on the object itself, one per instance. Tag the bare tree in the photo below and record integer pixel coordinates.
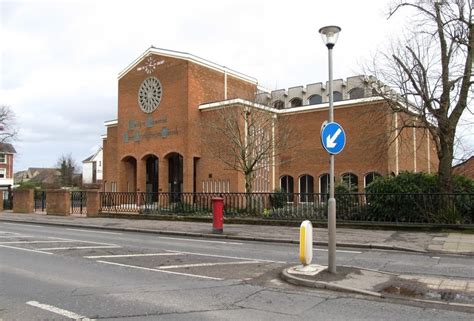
(8, 130)
(428, 73)
(67, 168)
(246, 138)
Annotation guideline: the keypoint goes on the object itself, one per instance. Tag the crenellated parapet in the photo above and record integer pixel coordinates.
(317, 93)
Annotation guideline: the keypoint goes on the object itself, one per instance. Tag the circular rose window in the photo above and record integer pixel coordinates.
(149, 94)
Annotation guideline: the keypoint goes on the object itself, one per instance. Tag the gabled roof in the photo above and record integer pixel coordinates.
(7, 148)
(464, 162)
(90, 158)
(188, 57)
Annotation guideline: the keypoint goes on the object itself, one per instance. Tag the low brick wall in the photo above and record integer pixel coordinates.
(24, 201)
(59, 202)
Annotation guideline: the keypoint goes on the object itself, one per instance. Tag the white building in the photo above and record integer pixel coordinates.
(92, 168)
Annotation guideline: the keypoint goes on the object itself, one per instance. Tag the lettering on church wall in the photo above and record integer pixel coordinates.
(135, 133)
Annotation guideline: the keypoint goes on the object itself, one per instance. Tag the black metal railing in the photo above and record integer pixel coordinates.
(78, 202)
(40, 201)
(402, 208)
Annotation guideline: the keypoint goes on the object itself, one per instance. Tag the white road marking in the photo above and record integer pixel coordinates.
(87, 231)
(194, 240)
(22, 249)
(79, 247)
(64, 313)
(436, 257)
(8, 232)
(227, 257)
(162, 271)
(205, 264)
(33, 242)
(341, 251)
(131, 255)
(10, 236)
(80, 241)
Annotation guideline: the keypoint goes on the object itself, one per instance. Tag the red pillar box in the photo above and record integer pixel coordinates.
(217, 215)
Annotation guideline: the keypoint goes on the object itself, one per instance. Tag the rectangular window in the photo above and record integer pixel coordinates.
(3, 173)
(3, 158)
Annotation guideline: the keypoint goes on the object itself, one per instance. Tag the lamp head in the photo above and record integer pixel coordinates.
(330, 35)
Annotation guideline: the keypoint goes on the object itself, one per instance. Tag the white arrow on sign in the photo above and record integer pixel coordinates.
(330, 140)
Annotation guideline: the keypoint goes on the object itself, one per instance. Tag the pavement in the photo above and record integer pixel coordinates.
(431, 242)
(446, 290)
(420, 288)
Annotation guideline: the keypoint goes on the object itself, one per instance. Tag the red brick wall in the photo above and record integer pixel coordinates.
(185, 86)
(110, 158)
(466, 168)
(365, 150)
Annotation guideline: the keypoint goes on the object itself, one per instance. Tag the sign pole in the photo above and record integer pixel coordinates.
(332, 200)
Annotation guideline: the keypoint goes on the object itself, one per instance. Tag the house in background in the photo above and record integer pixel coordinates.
(92, 168)
(465, 168)
(44, 177)
(7, 152)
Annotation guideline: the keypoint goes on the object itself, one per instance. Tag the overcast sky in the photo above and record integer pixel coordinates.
(60, 59)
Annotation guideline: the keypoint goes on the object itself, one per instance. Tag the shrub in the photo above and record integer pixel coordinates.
(413, 197)
(279, 198)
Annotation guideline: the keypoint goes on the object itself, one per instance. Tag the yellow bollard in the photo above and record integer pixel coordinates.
(306, 242)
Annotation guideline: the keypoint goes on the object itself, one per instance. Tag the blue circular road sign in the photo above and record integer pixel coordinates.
(333, 137)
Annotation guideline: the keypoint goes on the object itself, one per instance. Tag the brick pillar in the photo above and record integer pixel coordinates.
(163, 175)
(1, 201)
(24, 201)
(93, 203)
(59, 202)
(141, 175)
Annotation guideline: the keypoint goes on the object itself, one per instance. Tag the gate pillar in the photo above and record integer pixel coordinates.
(24, 201)
(59, 202)
(93, 203)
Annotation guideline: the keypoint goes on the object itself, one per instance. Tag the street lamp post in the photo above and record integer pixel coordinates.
(330, 35)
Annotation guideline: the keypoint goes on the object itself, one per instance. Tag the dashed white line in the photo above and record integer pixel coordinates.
(195, 240)
(131, 255)
(19, 236)
(87, 231)
(64, 313)
(205, 264)
(226, 257)
(80, 241)
(79, 247)
(33, 242)
(162, 271)
(22, 249)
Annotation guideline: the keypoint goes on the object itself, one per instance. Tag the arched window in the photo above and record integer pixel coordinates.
(315, 99)
(351, 182)
(356, 93)
(296, 102)
(324, 187)
(370, 177)
(306, 188)
(336, 96)
(286, 185)
(278, 104)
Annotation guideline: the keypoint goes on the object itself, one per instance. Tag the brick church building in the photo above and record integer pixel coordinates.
(158, 142)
